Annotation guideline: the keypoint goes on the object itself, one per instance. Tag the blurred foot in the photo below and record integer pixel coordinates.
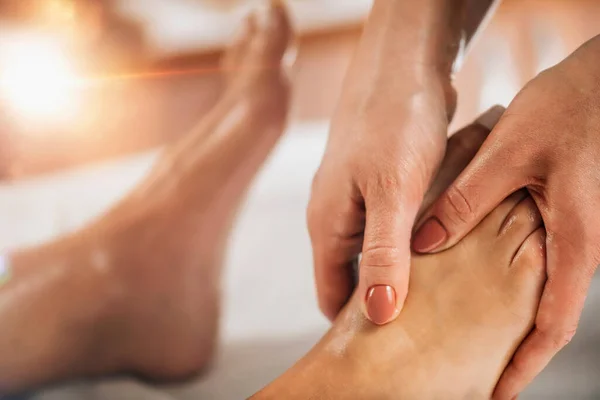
(138, 291)
(195, 191)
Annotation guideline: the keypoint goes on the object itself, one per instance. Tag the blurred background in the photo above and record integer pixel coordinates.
(92, 90)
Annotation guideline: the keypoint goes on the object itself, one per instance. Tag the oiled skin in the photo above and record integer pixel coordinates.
(467, 310)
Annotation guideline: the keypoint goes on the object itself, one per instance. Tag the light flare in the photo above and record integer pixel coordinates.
(38, 81)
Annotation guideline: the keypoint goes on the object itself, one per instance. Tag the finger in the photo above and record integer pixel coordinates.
(487, 180)
(336, 239)
(334, 273)
(570, 272)
(385, 262)
(462, 147)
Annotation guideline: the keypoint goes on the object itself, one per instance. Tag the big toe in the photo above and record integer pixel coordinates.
(234, 56)
(273, 32)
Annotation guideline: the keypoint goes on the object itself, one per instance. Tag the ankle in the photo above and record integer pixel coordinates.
(73, 282)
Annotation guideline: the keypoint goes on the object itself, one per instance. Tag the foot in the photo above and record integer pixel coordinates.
(138, 291)
(467, 310)
(197, 187)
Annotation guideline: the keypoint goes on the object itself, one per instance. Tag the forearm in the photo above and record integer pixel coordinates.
(430, 31)
(416, 40)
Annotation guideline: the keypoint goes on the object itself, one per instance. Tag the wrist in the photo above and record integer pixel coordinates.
(439, 89)
(421, 33)
(433, 33)
(419, 41)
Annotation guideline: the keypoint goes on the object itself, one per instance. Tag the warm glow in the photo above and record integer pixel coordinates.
(37, 81)
(58, 11)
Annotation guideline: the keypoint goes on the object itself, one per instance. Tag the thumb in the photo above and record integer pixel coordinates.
(385, 261)
(487, 180)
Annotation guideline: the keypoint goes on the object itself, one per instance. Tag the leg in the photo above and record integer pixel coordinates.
(138, 290)
(467, 310)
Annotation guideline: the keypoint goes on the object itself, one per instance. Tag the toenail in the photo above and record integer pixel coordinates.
(430, 236)
(381, 304)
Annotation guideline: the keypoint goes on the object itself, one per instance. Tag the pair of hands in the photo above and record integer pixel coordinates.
(380, 160)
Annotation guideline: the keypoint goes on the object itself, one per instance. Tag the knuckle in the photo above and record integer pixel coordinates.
(457, 206)
(381, 182)
(393, 188)
(558, 338)
(520, 364)
(339, 228)
(381, 257)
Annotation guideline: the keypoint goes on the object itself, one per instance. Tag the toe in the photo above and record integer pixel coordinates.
(274, 31)
(521, 221)
(491, 225)
(527, 273)
(234, 56)
(531, 255)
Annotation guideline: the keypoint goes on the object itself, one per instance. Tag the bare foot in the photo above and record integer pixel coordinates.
(138, 291)
(197, 188)
(467, 310)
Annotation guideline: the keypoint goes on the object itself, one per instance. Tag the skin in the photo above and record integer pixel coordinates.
(387, 139)
(137, 291)
(466, 312)
(546, 142)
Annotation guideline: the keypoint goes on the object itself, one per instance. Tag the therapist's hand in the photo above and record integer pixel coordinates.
(549, 142)
(387, 138)
(384, 147)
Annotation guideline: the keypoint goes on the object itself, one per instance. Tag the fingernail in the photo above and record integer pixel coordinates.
(430, 236)
(381, 304)
(490, 118)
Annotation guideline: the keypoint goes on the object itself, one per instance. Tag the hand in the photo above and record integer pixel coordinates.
(384, 148)
(548, 141)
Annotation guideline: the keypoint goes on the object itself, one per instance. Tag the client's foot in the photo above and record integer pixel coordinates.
(467, 310)
(138, 291)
